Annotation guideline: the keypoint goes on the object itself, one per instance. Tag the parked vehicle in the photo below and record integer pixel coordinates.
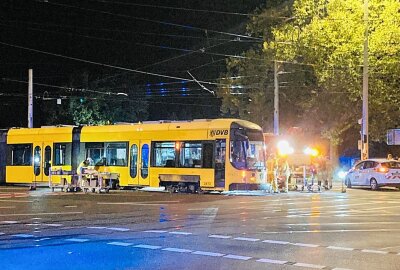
(374, 173)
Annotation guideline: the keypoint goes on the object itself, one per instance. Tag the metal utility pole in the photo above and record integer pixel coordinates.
(364, 126)
(30, 99)
(276, 99)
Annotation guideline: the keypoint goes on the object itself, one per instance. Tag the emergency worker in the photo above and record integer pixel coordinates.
(276, 175)
(286, 173)
(271, 172)
(82, 166)
(313, 172)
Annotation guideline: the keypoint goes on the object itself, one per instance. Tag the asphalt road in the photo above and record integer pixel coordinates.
(359, 229)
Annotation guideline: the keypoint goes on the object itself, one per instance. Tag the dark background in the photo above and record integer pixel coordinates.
(162, 37)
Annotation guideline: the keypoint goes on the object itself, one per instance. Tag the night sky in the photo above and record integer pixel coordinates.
(108, 40)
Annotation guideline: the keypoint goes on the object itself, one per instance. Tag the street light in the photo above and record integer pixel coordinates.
(364, 126)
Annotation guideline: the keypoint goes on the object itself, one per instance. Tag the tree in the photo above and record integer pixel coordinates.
(325, 39)
(90, 104)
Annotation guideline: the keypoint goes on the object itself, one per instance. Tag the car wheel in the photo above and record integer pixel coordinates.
(374, 184)
(348, 183)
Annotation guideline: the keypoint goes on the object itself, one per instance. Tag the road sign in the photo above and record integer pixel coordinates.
(393, 137)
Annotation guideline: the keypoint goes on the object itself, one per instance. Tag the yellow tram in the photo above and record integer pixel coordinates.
(218, 154)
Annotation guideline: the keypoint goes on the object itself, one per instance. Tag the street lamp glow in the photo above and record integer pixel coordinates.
(284, 148)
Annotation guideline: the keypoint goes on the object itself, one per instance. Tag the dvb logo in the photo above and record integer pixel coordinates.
(218, 132)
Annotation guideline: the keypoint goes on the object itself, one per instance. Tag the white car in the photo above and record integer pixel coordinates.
(374, 173)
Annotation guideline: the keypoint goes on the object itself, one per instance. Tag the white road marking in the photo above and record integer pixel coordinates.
(32, 224)
(237, 257)
(22, 235)
(138, 203)
(276, 242)
(9, 222)
(205, 253)
(96, 227)
(16, 201)
(341, 269)
(304, 245)
(307, 265)
(7, 207)
(180, 250)
(70, 206)
(390, 247)
(341, 223)
(247, 239)
(374, 251)
(271, 261)
(42, 214)
(209, 214)
(220, 236)
(122, 244)
(334, 231)
(118, 229)
(78, 240)
(1, 233)
(147, 246)
(155, 231)
(35, 218)
(181, 233)
(340, 248)
(52, 224)
(42, 239)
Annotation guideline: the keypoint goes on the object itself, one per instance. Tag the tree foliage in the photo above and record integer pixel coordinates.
(90, 104)
(325, 39)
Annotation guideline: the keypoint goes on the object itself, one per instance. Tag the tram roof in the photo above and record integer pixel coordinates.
(222, 123)
(162, 125)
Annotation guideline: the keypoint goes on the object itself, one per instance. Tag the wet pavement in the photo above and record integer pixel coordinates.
(359, 229)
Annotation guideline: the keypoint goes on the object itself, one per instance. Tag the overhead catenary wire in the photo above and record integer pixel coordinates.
(103, 64)
(49, 25)
(173, 8)
(187, 27)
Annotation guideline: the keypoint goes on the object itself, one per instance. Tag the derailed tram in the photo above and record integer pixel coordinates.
(191, 156)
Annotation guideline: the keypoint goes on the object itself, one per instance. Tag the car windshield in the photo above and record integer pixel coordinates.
(391, 165)
(247, 149)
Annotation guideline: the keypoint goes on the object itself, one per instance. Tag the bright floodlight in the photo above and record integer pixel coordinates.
(311, 151)
(342, 174)
(284, 148)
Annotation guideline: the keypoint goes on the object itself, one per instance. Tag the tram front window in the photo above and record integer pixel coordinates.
(247, 150)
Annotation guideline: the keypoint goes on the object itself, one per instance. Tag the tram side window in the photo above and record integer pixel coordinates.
(116, 154)
(62, 154)
(191, 155)
(164, 154)
(19, 155)
(95, 151)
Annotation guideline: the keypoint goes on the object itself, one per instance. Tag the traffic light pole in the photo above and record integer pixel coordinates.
(276, 99)
(30, 99)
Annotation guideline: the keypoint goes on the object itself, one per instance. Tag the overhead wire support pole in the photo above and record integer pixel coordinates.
(30, 99)
(364, 145)
(276, 99)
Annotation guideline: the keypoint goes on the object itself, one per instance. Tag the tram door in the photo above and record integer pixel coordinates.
(139, 163)
(144, 179)
(41, 161)
(220, 157)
